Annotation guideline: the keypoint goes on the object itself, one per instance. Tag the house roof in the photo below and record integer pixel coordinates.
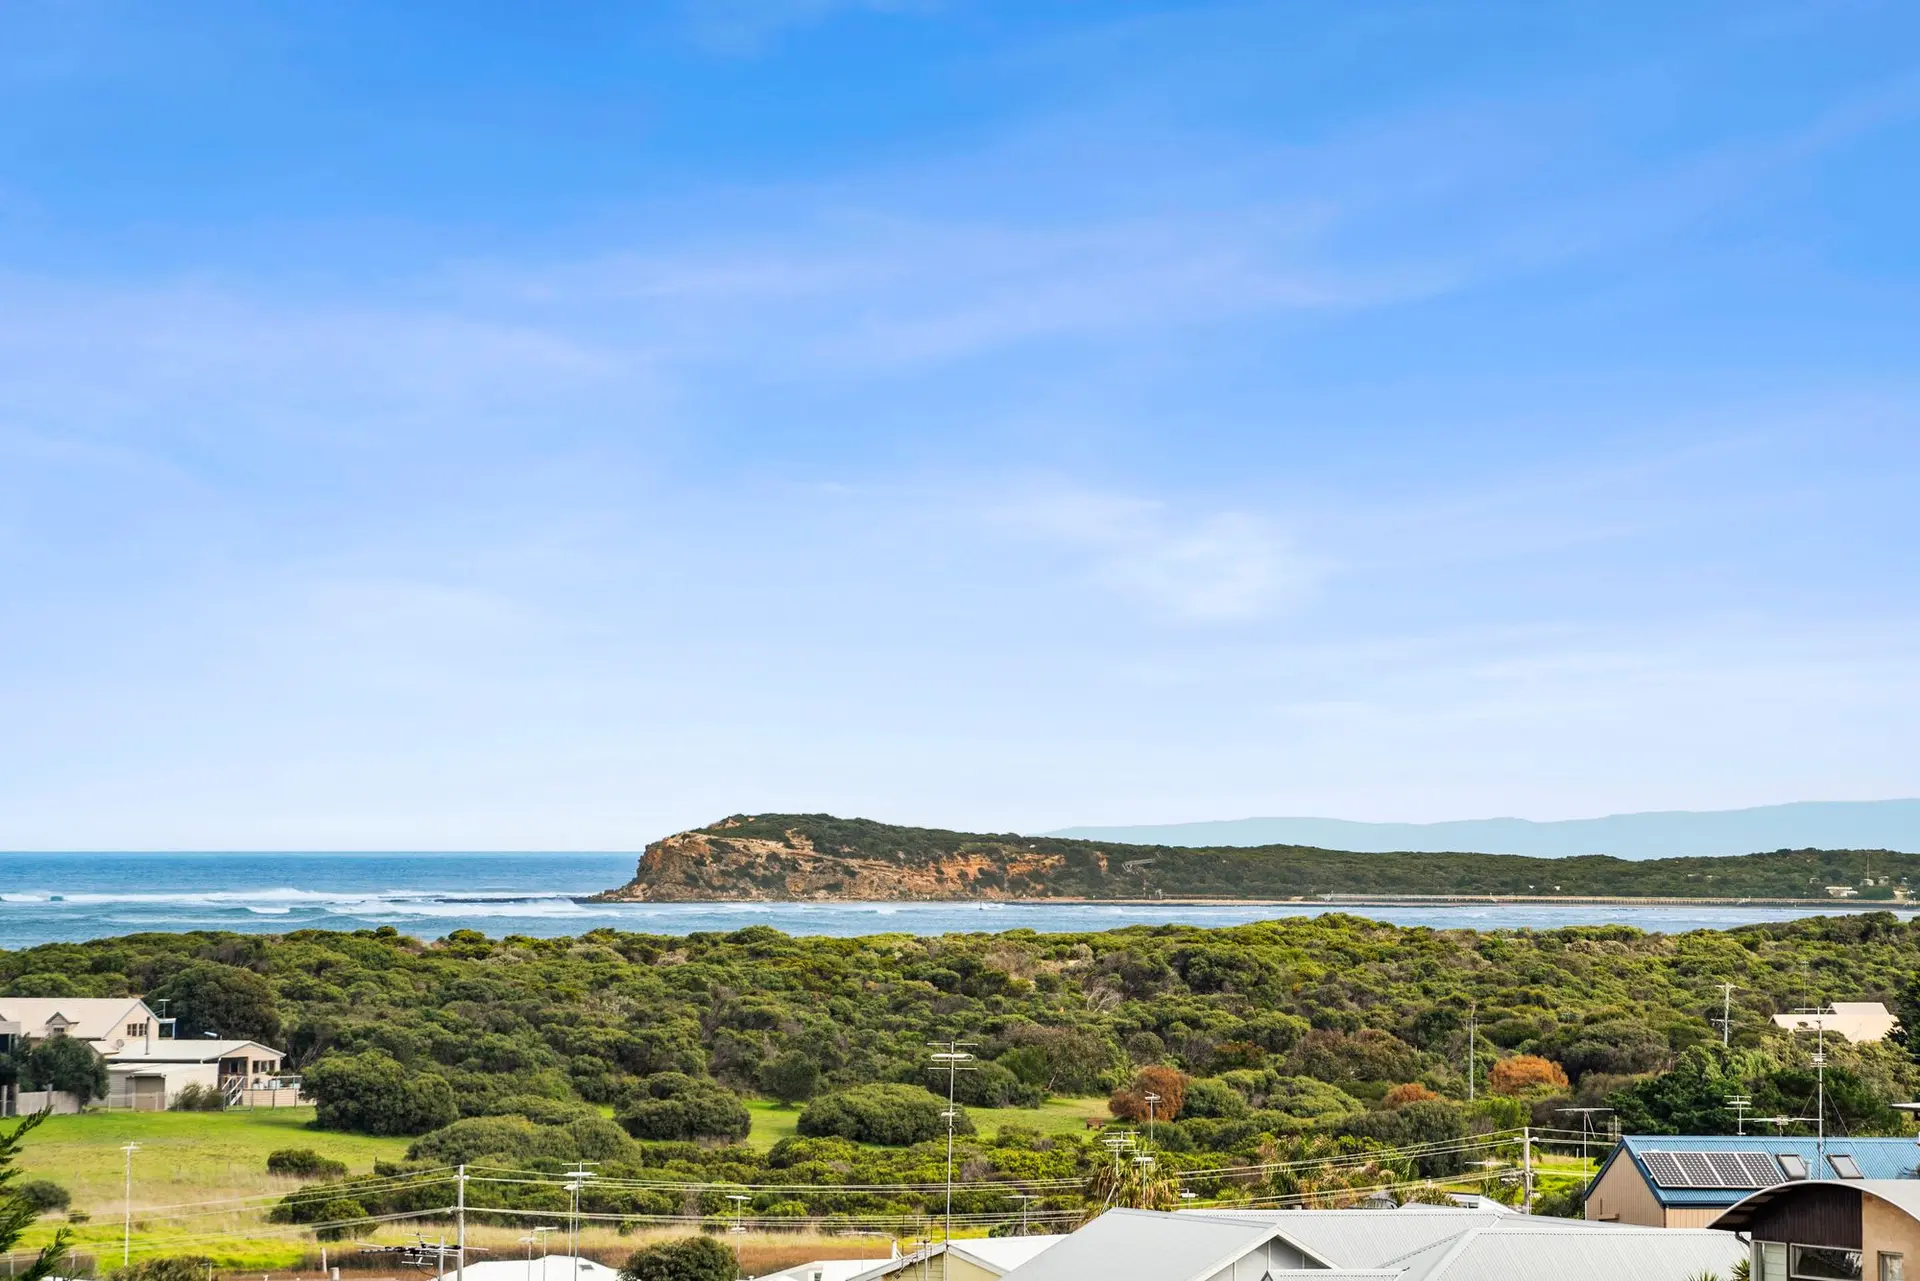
(89, 1018)
(1150, 1245)
(1878, 1158)
(1498, 1248)
(1424, 1243)
(1362, 1238)
(186, 1050)
(827, 1270)
(998, 1255)
(1904, 1194)
(558, 1267)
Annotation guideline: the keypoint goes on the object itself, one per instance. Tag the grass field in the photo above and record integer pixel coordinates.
(771, 1122)
(185, 1161)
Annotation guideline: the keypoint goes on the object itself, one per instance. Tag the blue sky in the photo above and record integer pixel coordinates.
(514, 426)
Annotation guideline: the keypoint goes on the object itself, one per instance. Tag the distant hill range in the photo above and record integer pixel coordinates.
(1853, 825)
(819, 856)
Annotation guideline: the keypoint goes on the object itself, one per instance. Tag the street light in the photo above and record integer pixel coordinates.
(739, 1200)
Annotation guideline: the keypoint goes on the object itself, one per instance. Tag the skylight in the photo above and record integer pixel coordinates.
(1843, 1165)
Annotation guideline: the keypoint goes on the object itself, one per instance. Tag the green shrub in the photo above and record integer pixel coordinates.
(676, 1106)
(896, 1115)
(195, 1097)
(339, 1214)
(182, 1267)
(43, 1196)
(67, 1064)
(791, 1077)
(1213, 1098)
(689, 1259)
(372, 1093)
(304, 1163)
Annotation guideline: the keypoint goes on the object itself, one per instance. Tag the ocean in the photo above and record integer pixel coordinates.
(48, 898)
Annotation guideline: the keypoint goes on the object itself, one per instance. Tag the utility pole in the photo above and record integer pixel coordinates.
(1526, 1168)
(460, 1224)
(126, 1223)
(1472, 1009)
(1026, 1200)
(739, 1200)
(1152, 1099)
(1726, 1015)
(1586, 1128)
(949, 1055)
(1740, 1103)
(576, 1180)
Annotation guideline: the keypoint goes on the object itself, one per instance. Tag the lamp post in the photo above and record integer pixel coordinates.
(739, 1200)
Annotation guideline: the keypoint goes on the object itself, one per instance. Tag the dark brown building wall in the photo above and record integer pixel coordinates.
(1811, 1214)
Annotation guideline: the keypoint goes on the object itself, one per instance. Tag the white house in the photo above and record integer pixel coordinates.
(109, 1024)
(1423, 1243)
(1856, 1020)
(149, 1077)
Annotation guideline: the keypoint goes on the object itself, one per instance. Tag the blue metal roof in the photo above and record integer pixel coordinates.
(1878, 1159)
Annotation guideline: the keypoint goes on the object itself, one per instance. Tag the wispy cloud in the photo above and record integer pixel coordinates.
(1217, 566)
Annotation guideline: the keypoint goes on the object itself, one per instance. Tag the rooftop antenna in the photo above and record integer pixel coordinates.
(1820, 1087)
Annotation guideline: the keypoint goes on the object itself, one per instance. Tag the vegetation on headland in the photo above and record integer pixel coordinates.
(1331, 1053)
(815, 856)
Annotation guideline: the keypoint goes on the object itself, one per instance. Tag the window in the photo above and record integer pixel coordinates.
(1794, 1165)
(1844, 1166)
(1825, 1263)
(1893, 1267)
(136, 1029)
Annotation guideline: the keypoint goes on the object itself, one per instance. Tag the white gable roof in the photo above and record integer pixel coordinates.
(87, 1018)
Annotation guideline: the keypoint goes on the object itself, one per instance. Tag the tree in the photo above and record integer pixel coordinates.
(677, 1106)
(18, 1210)
(1526, 1074)
(208, 998)
(895, 1115)
(67, 1064)
(1401, 1095)
(372, 1093)
(1169, 1085)
(791, 1077)
(689, 1259)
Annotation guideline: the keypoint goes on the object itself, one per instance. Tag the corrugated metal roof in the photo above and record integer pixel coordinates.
(1879, 1158)
(1505, 1250)
(1364, 1238)
(1149, 1245)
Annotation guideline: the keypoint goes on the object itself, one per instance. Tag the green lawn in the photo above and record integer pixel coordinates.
(771, 1122)
(185, 1161)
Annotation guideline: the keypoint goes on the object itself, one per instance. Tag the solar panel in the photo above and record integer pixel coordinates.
(1665, 1170)
(1729, 1170)
(1699, 1170)
(1736, 1170)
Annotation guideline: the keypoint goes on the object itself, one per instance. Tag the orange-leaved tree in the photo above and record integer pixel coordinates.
(1129, 1103)
(1526, 1074)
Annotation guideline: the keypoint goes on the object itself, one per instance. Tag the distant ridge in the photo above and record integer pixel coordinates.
(1854, 825)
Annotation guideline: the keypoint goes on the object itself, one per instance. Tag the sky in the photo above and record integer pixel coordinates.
(490, 426)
